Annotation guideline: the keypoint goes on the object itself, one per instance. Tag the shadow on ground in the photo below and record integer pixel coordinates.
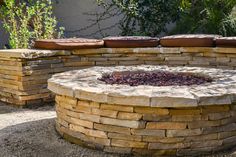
(7, 108)
(39, 139)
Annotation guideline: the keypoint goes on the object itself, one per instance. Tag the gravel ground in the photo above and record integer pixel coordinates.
(31, 133)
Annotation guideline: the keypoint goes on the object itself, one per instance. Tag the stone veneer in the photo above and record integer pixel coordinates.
(147, 120)
(24, 72)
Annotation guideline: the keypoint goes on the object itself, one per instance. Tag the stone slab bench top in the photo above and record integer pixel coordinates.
(84, 84)
(37, 53)
(31, 53)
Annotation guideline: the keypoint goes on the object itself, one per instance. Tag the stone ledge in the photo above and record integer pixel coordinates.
(84, 84)
(156, 50)
(37, 53)
(31, 53)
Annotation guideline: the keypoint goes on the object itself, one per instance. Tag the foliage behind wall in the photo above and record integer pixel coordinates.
(150, 17)
(27, 21)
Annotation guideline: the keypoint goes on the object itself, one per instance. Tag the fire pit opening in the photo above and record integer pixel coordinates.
(154, 78)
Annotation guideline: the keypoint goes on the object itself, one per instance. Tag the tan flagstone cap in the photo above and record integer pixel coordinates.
(84, 84)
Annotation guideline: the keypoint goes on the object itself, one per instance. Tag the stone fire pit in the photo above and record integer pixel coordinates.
(147, 120)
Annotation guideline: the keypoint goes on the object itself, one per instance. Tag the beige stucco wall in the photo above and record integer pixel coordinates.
(72, 15)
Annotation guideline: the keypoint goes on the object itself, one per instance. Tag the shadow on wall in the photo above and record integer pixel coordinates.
(74, 17)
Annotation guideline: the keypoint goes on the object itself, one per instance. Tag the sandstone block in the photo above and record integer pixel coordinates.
(180, 58)
(185, 111)
(168, 146)
(214, 109)
(90, 96)
(183, 133)
(156, 139)
(197, 152)
(105, 113)
(124, 123)
(223, 135)
(223, 59)
(106, 63)
(89, 132)
(99, 59)
(186, 118)
(101, 141)
(123, 58)
(199, 63)
(62, 90)
(83, 109)
(117, 108)
(83, 103)
(203, 124)
(62, 122)
(128, 100)
(202, 138)
(218, 116)
(165, 50)
(143, 132)
(156, 117)
(91, 51)
(153, 50)
(125, 137)
(78, 64)
(152, 58)
(148, 110)
(125, 143)
(138, 62)
(76, 121)
(206, 143)
(224, 128)
(166, 125)
(129, 116)
(65, 105)
(112, 128)
(70, 113)
(224, 50)
(229, 140)
(90, 117)
(196, 49)
(94, 104)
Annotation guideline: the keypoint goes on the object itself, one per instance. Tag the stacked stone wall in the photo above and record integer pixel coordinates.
(24, 73)
(146, 130)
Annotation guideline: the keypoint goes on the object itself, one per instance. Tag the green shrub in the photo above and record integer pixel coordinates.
(207, 16)
(150, 17)
(141, 17)
(26, 22)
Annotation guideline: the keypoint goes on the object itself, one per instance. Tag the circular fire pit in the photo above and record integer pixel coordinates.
(185, 119)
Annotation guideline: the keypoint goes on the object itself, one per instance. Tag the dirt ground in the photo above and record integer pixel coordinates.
(31, 133)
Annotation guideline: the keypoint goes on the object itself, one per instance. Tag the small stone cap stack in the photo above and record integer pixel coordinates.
(189, 40)
(68, 44)
(226, 42)
(130, 42)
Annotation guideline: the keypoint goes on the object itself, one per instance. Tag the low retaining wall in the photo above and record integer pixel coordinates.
(24, 72)
(146, 130)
